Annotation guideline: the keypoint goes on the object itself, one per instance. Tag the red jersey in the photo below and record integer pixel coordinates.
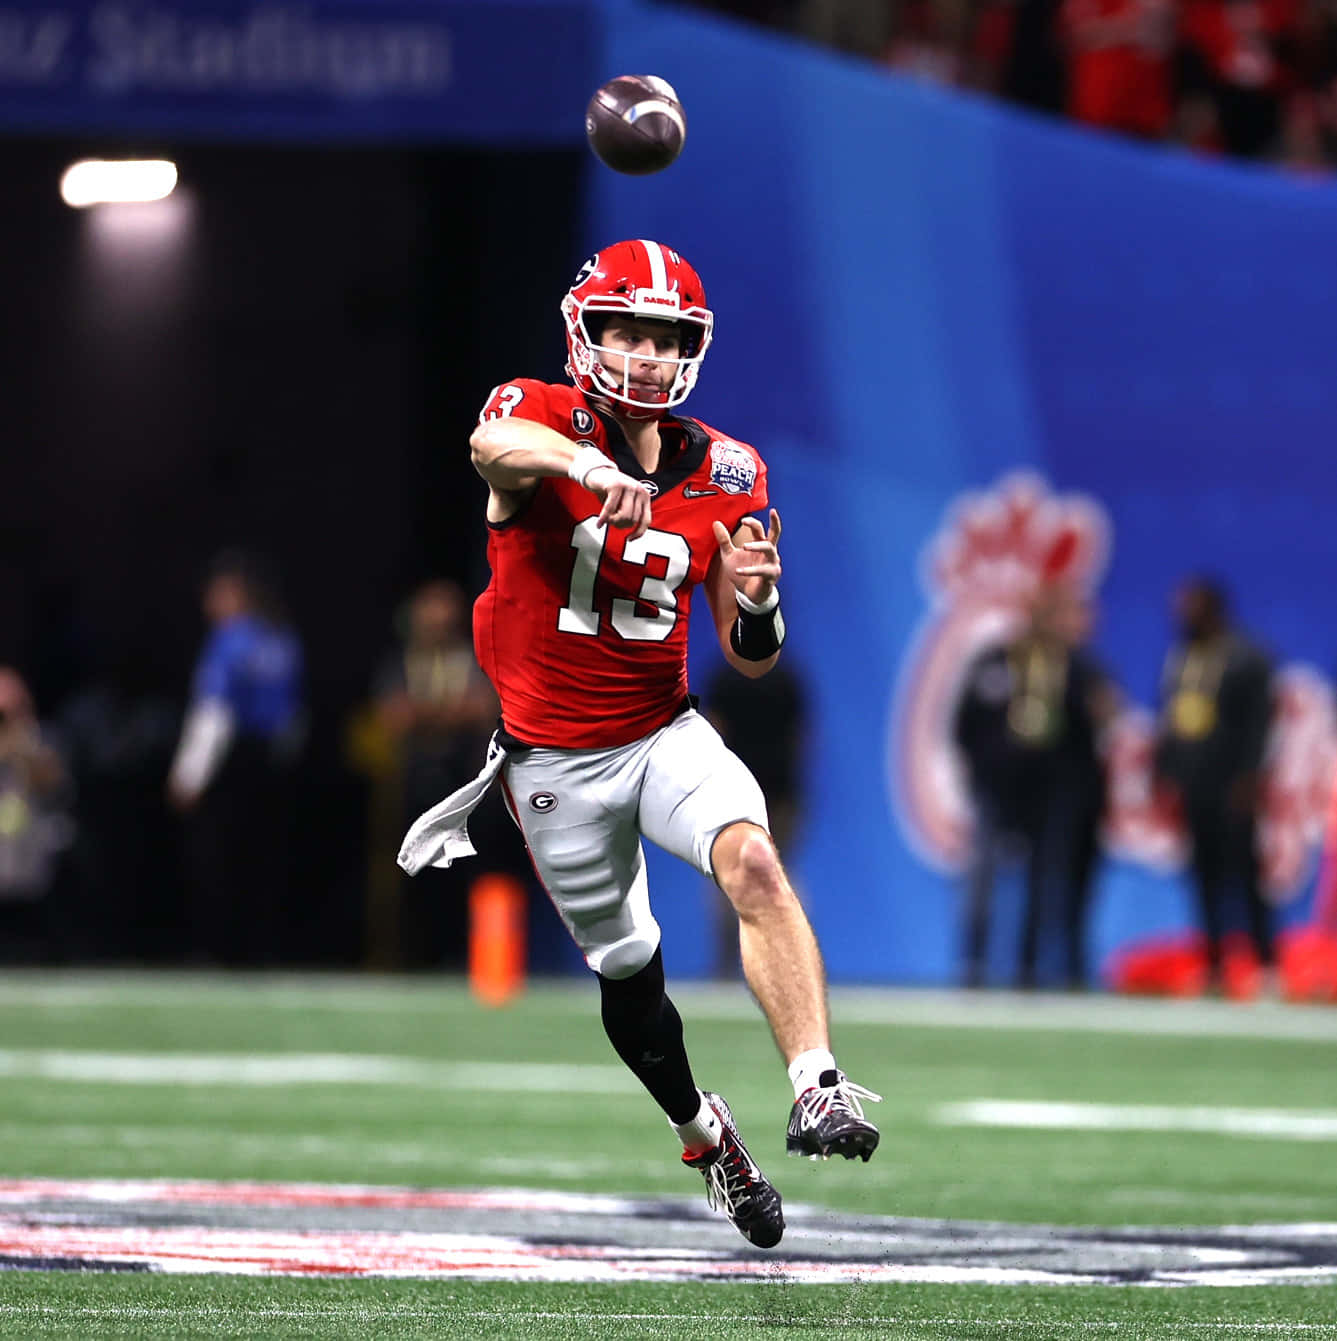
(582, 630)
(1119, 54)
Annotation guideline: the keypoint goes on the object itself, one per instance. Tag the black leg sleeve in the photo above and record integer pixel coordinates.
(645, 1029)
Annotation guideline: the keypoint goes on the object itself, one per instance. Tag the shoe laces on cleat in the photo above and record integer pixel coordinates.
(841, 1096)
(828, 1120)
(736, 1186)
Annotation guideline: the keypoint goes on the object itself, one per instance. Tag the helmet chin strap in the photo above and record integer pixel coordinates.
(620, 409)
(625, 408)
(639, 411)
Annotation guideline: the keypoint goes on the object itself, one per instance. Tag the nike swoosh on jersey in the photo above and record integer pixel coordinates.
(688, 492)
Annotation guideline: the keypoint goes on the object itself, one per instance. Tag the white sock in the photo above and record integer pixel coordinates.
(702, 1132)
(805, 1071)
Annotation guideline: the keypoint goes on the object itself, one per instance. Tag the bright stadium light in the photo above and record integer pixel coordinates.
(97, 181)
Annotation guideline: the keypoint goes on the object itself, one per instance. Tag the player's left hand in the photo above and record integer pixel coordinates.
(750, 556)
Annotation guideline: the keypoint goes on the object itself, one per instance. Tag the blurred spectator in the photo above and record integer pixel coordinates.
(1309, 132)
(1242, 54)
(859, 27)
(768, 13)
(1027, 725)
(1249, 78)
(118, 734)
(234, 764)
(436, 709)
(1119, 55)
(1216, 710)
(930, 41)
(1034, 74)
(989, 37)
(34, 825)
(1082, 777)
(764, 722)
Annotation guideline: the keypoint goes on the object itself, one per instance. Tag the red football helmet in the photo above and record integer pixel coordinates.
(647, 280)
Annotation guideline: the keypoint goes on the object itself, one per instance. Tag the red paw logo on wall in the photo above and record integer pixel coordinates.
(989, 557)
(980, 570)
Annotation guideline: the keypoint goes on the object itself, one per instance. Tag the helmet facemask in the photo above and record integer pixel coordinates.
(585, 364)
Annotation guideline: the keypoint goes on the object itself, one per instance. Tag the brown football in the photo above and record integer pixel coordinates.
(635, 124)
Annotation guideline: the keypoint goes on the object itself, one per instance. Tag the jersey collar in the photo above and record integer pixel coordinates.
(684, 463)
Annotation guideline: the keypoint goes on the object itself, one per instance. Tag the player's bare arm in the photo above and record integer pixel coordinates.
(512, 455)
(747, 564)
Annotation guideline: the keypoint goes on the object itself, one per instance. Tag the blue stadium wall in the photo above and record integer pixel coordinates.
(916, 293)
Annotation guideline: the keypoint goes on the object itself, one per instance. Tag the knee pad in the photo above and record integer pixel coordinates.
(622, 958)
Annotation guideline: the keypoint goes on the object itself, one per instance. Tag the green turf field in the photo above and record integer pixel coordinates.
(1175, 1114)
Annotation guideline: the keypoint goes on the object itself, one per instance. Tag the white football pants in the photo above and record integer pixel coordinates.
(583, 813)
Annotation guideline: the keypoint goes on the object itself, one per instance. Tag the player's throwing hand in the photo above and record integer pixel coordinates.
(754, 564)
(626, 501)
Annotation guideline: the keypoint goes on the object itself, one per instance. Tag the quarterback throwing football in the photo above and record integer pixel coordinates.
(605, 510)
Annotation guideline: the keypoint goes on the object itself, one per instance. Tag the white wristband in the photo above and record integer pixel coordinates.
(586, 460)
(759, 607)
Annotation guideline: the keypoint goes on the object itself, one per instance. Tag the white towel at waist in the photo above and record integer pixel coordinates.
(441, 835)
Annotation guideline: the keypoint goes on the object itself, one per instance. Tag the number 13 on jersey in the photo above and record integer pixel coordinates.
(578, 615)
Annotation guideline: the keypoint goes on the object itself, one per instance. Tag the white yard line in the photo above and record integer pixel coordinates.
(1271, 1123)
(311, 1068)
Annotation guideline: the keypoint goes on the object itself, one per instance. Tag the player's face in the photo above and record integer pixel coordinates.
(436, 615)
(636, 347)
(224, 598)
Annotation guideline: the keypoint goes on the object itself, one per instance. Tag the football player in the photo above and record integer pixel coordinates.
(605, 511)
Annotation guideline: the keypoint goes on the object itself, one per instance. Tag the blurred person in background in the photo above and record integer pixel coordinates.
(436, 709)
(1033, 70)
(35, 827)
(1309, 132)
(1027, 725)
(781, 14)
(1119, 55)
(860, 27)
(1082, 778)
(764, 723)
(932, 41)
(119, 732)
(1216, 710)
(233, 770)
(1243, 56)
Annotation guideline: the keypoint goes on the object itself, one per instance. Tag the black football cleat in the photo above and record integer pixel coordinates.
(828, 1120)
(736, 1186)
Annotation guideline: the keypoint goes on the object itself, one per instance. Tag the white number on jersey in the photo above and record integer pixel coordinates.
(507, 398)
(578, 615)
